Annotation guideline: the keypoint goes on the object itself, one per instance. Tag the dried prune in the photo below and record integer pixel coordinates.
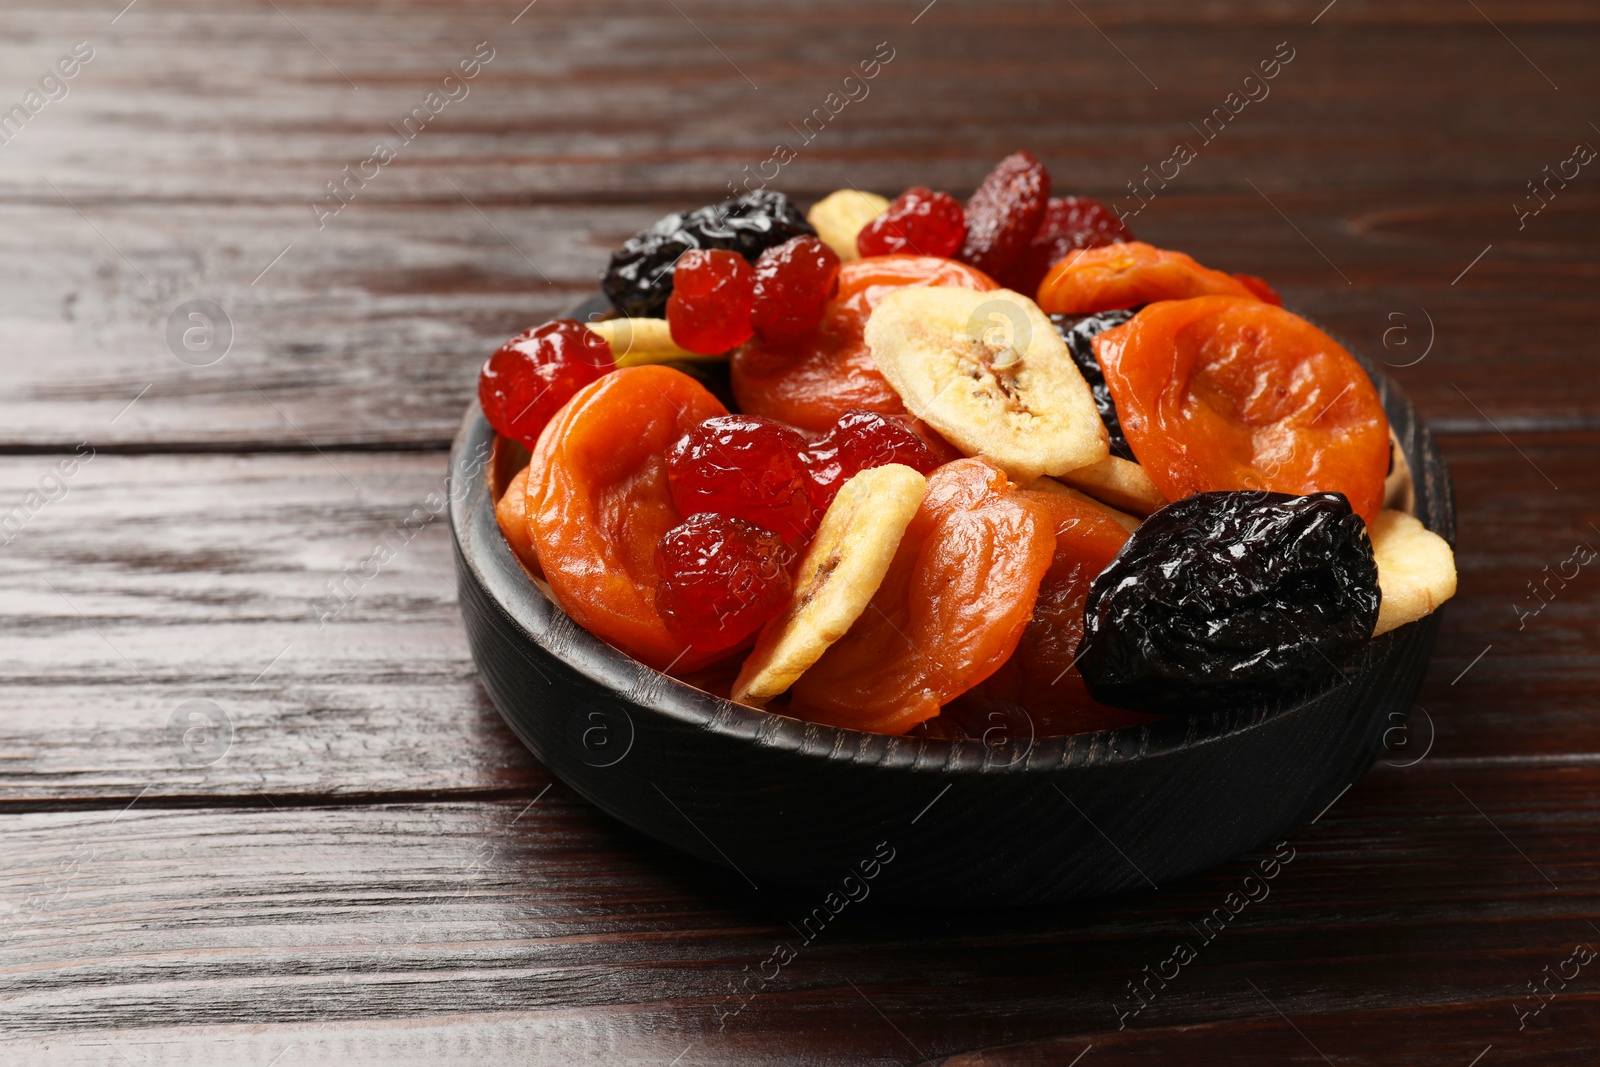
(1078, 331)
(1230, 598)
(639, 278)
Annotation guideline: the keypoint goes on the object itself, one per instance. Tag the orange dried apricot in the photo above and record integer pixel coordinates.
(949, 612)
(604, 502)
(1221, 392)
(1128, 275)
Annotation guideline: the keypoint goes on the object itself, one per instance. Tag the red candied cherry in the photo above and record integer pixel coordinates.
(794, 282)
(859, 441)
(531, 376)
(719, 580)
(1004, 213)
(712, 294)
(1070, 223)
(744, 467)
(920, 221)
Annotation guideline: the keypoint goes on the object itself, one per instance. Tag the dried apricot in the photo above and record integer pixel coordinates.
(604, 502)
(1041, 678)
(813, 381)
(1224, 392)
(949, 612)
(1128, 275)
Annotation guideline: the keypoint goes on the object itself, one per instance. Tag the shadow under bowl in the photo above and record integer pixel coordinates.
(1024, 821)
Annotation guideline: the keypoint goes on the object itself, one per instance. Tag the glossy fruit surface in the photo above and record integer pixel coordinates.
(919, 221)
(813, 381)
(745, 467)
(1227, 599)
(1004, 213)
(1070, 223)
(859, 441)
(720, 580)
(529, 377)
(949, 612)
(793, 283)
(1129, 275)
(1040, 683)
(604, 502)
(639, 277)
(1079, 331)
(712, 297)
(1225, 392)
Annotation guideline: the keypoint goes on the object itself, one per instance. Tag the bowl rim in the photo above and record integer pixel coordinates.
(485, 554)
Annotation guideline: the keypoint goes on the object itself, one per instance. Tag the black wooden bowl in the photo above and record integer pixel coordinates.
(967, 823)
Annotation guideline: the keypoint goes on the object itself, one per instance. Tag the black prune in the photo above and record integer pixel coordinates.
(1077, 331)
(639, 277)
(1222, 599)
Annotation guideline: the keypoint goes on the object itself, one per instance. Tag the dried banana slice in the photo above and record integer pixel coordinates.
(1050, 485)
(990, 373)
(1416, 570)
(1117, 482)
(635, 342)
(839, 216)
(843, 568)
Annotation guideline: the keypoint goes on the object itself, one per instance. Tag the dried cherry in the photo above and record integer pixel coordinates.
(794, 282)
(919, 221)
(745, 467)
(1004, 213)
(720, 580)
(1127, 275)
(812, 381)
(948, 613)
(1078, 331)
(859, 441)
(639, 277)
(713, 293)
(603, 502)
(529, 377)
(1223, 392)
(1070, 223)
(1230, 598)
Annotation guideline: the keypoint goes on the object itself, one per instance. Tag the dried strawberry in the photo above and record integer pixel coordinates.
(861, 440)
(1070, 223)
(1004, 213)
(744, 467)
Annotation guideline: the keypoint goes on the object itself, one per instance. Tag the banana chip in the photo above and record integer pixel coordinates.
(839, 217)
(1416, 570)
(1117, 482)
(635, 342)
(841, 571)
(990, 373)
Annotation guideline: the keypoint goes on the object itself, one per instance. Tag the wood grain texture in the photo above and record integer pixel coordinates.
(1395, 170)
(202, 569)
(460, 917)
(398, 910)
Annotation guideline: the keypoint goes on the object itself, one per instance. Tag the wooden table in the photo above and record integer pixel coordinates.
(348, 858)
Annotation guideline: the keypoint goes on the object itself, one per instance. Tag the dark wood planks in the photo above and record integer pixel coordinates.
(1402, 899)
(1396, 170)
(206, 573)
